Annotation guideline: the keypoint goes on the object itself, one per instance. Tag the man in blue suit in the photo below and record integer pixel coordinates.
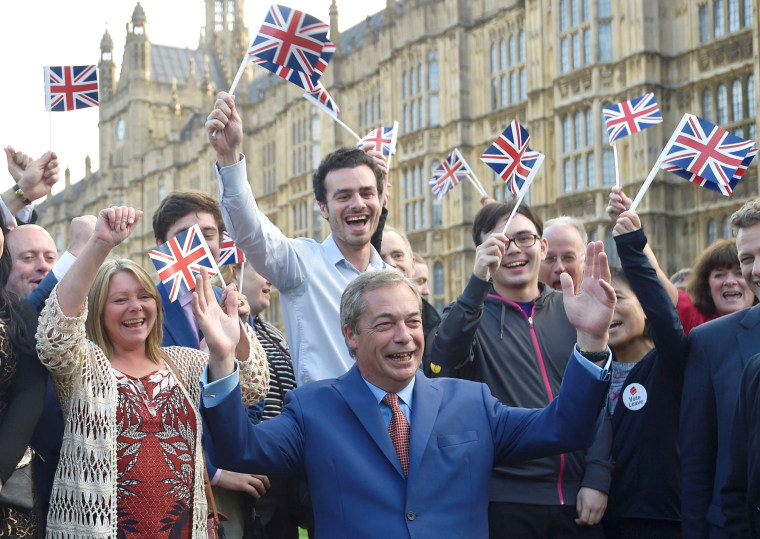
(720, 350)
(388, 452)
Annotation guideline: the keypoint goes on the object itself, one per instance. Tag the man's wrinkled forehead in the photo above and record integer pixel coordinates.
(30, 238)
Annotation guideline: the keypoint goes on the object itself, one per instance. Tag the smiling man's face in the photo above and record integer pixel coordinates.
(33, 255)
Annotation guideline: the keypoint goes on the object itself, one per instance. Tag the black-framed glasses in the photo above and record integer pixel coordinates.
(522, 241)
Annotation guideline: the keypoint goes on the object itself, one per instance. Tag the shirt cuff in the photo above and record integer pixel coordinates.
(63, 265)
(25, 215)
(215, 392)
(602, 373)
(214, 480)
(10, 220)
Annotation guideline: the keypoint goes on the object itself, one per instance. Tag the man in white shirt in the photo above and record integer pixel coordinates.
(349, 188)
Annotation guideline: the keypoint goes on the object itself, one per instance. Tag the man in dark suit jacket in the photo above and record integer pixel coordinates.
(720, 350)
(339, 434)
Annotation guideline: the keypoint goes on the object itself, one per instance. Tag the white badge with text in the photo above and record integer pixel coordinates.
(634, 396)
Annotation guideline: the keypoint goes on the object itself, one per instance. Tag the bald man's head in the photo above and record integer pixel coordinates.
(33, 255)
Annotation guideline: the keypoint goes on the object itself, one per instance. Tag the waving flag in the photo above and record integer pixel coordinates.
(632, 116)
(70, 87)
(229, 253)
(179, 261)
(290, 38)
(384, 139)
(323, 100)
(706, 154)
(453, 169)
(511, 158)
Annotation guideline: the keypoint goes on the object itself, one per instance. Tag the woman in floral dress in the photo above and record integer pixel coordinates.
(131, 460)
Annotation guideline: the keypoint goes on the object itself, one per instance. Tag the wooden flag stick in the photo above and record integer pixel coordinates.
(617, 170)
(239, 75)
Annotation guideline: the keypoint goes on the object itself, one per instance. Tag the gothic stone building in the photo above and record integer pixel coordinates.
(454, 73)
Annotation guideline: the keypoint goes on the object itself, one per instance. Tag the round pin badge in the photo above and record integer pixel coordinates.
(634, 396)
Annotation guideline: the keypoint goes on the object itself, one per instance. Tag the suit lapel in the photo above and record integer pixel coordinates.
(425, 406)
(362, 402)
(176, 327)
(748, 337)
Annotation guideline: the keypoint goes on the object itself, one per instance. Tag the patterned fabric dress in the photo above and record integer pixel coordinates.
(13, 523)
(155, 457)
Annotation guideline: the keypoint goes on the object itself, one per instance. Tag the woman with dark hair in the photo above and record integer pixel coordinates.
(649, 356)
(131, 460)
(716, 286)
(22, 394)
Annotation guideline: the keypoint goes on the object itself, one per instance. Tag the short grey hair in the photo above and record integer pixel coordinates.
(566, 220)
(352, 303)
(747, 215)
(403, 237)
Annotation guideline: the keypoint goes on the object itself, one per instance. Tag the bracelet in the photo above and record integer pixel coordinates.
(593, 357)
(20, 193)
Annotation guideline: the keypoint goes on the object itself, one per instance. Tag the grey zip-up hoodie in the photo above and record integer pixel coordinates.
(486, 338)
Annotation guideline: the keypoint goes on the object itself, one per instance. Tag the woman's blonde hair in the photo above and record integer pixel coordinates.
(96, 301)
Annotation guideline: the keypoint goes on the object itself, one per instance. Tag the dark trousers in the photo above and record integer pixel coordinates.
(637, 528)
(528, 521)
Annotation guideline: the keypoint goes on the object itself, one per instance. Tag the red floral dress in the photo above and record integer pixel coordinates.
(155, 457)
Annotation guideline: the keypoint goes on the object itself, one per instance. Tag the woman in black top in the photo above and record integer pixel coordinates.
(649, 350)
(22, 392)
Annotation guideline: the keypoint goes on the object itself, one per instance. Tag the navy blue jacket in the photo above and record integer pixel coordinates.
(646, 476)
(720, 349)
(740, 496)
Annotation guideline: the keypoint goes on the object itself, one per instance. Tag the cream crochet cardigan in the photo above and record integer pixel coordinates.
(83, 502)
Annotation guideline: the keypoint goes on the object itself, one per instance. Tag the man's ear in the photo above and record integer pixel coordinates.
(350, 336)
(323, 210)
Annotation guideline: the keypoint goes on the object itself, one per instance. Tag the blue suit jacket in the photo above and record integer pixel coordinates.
(331, 432)
(719, 352)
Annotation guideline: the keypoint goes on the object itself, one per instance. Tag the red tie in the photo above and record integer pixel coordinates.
(398, 428)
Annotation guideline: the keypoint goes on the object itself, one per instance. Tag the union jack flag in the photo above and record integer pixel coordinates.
(384, 139)
(706, 154)
(290, 38)
(632, 116)
(229, 253)
(70, 87)
(511, 158)
(179, 261)
(447, 176)
(323, 100)
(299, 78)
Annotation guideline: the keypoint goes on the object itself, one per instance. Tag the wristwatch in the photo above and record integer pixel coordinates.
(20, 193)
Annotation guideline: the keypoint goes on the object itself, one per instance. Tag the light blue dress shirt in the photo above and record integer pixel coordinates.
(310, 277)
(404, 401)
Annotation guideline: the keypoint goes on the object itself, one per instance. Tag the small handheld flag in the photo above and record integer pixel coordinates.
(230, 253)
(512, 159)
(384, 139)
(179, 261)
(70, 87)
(321, 99)
(629, 117)
(448, 175)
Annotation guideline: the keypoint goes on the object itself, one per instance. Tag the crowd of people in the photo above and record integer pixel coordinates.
(555, 397)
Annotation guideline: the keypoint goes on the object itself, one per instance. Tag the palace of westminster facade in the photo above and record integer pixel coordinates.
(454, 73)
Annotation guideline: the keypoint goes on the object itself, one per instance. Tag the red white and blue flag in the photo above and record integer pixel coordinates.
(179, 261)
(384, 139)
(448, 175)
(290, 38)
(512, 159)
(71, 87)
(310, 83)
(323, 100)
(707, 154)
(632, 116)
(229, 253)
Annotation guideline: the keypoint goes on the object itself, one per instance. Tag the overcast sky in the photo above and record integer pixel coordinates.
(35, 33)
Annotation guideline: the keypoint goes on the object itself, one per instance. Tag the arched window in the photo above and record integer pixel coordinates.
(521, 45)
(733, 15)
(725, 228)
(608, 167)
(503, 54)
(712, 231)
(562, 15)
(504, 91)
(589, 127)
(590, 168)
(513, 95)
(751, 96)
(578, 130)
(566, 134)
(512, 50)
(433, 70)
(722, 116)
(316, 127)
(494, 58)
(523, 85)
(579, 172)
(404, 85)
(438, 284)
(718, 24)
(707, 112)
(737, 104)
